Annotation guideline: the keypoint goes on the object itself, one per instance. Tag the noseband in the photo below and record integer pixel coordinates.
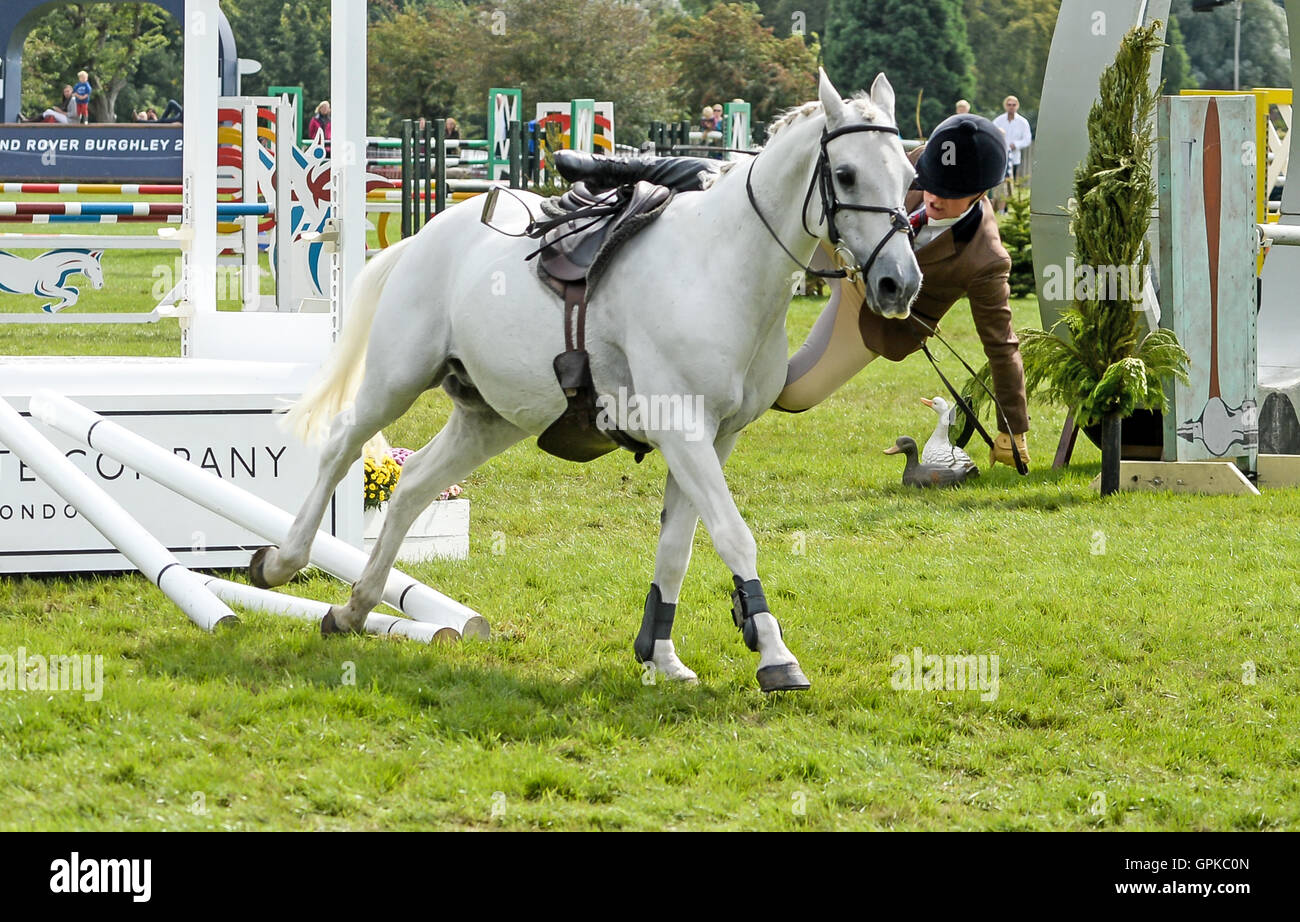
(824, 182)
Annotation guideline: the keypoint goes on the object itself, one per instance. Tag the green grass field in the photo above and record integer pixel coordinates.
(1147, 649)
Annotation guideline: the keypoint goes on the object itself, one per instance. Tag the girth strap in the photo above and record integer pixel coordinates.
(571, 366)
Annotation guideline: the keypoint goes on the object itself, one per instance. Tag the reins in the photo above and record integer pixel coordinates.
(971, 419)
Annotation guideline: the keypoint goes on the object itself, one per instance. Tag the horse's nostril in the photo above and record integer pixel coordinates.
(889, 287)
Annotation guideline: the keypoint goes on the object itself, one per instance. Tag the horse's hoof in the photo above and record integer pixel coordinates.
(329, 626)
(782, 678)
(256, 568)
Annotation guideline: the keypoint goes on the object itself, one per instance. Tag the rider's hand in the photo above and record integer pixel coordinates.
(1001, 451)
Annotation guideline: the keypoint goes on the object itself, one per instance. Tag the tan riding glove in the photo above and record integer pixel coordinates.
(1001, 451)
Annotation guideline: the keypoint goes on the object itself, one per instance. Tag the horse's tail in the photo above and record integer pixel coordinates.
(339, 379)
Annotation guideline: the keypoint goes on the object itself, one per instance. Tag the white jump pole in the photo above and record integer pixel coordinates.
(409, 596)
(113, 522)
(277, 603)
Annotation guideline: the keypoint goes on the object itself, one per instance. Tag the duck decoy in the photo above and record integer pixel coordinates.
(938, 449)
(916, 474)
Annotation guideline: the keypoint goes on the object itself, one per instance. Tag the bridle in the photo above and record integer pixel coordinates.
(824, 182)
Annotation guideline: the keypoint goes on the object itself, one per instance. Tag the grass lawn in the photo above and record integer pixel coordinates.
(1147, 650)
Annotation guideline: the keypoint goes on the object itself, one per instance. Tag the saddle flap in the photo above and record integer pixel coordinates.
(573, 370)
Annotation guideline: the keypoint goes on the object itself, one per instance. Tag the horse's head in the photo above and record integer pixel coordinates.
(93, 270)
(866, 176)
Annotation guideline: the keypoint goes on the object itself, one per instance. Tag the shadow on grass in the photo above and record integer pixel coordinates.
(299, 679)
(1042, 491)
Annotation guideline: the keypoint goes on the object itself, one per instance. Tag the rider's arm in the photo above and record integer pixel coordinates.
(989, 294)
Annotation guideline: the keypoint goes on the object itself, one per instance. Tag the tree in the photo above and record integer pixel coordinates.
(109, 42)
(566, 49)
(1010, 41)
(291, 39)
(1175, 67)
(919, 44)
(795, 17)
(1108, 368)
(416, 65)
(728, 53)
(1265, 53)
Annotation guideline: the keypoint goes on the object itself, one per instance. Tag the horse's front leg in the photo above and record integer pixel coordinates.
(697, 468)
(654, 643)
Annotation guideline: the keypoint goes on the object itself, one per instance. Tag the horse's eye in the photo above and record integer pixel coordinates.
(846, 176)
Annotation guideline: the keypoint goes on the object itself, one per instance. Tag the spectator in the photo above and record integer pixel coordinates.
(717, 117)
(706, 121)
(173, 113)
(152, 113)
(1018, 134)
(453, 129)
(82, 92)
(142, 116)
(65, 111)
(320, 123)
(962, 107)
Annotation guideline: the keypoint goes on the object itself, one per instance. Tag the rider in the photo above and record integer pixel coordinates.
(960, 253)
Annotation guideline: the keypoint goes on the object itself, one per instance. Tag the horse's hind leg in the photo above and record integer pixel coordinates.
(471, 436)
(698, 468)
(377, 405)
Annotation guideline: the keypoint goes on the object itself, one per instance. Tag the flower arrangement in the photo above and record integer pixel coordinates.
(382, 474)
(381, 480)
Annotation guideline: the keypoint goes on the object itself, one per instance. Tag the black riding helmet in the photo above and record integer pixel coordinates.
(966, 155)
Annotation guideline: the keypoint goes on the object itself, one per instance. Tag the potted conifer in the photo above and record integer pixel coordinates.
(1099, 359)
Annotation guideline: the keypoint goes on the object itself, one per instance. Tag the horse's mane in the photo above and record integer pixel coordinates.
(859, 102)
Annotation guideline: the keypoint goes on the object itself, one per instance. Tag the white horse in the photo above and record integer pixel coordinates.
(46, 276)
(457, 306)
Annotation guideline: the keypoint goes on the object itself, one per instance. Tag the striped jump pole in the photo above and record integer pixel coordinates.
(85, 218)
(83, 188)
(127, 209)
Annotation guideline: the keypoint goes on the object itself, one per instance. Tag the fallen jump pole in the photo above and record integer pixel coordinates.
(409, 596)
(130, 537)
(277, 603)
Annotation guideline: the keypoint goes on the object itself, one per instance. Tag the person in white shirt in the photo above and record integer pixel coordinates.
(1019, 136)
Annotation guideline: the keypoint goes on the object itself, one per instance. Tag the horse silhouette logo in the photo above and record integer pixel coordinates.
(46, 276)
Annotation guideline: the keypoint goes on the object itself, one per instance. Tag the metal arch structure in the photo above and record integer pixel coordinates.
(1278, 322)
(19, 17)
(1085, 41)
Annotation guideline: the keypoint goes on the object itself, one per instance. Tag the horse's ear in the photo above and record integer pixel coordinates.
(882, 94)
(830, 99)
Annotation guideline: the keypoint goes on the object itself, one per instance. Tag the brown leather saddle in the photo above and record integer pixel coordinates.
(584, 229)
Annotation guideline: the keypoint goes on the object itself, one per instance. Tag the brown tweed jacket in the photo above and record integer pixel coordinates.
(967, 260)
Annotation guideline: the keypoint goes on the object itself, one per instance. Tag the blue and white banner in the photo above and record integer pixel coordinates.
(129, 152)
